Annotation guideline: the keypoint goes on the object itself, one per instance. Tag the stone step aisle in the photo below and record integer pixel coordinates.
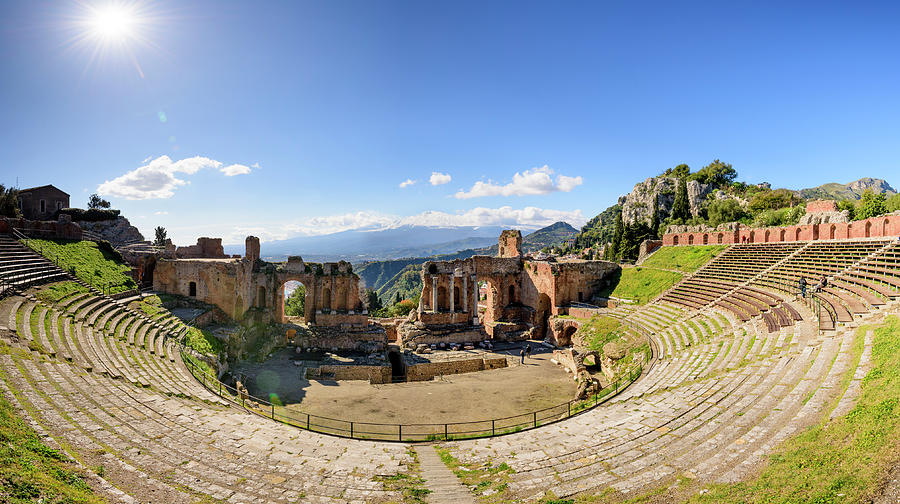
(444, 485)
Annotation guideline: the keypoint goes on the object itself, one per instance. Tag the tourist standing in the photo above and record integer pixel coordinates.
(522, 355)
(802, 286)
(528, 350)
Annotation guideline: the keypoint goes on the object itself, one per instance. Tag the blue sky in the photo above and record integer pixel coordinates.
(281, 118)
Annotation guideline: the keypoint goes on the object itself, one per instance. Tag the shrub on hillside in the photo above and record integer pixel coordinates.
(90, 215)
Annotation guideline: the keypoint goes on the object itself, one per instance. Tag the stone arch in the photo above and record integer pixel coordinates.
(543, 314)
(308, 300)
(782, 234)
(868, 228)
(884, 227)
(719, 238)
(675, 240)
(705, 238)
(565, 338)
(797, 234)
(766, 237)
(832, 231)
(690, 239)
(752, 237)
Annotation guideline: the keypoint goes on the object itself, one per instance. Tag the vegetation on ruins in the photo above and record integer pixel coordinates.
(409, 483)
(837, 460)
(9, 202)
(871, 205)
(160, 236)
(687, 259)
(640, 284)
(92, 263)
(60, 290)
(490, 482)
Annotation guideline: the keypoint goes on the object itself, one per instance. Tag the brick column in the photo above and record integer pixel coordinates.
(452, 297)
(465, 294)
(434, 299)
(475, 308)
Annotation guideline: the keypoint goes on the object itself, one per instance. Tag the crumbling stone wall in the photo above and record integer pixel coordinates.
(207, 248)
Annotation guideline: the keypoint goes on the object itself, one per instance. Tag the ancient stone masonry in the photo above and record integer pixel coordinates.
(522, 295)
(821, 222)
(248, 287)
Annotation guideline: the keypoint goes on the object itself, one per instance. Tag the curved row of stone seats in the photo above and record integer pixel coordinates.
(79, 336)
(861, 274)
(157, 448)
(21, 267)
(706, 427)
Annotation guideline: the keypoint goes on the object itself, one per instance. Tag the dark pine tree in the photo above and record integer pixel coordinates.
(680, 208)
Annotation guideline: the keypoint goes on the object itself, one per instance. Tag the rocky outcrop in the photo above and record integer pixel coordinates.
(637, 206)
(118, 231)
(825, 218)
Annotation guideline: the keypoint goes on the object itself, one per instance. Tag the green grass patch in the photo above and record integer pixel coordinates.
(410, 485)
(687, 259)
(490, 480)
(54, 293)
(600, 330)
(95, 265)
(30, 471)
(640, 284)
(843, 460)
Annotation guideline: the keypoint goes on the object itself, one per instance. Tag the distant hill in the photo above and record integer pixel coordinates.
(376, 244)
(853, 190)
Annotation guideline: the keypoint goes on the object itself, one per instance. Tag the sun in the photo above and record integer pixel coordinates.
(112, 23)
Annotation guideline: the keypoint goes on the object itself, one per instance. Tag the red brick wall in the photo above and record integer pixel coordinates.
(819, 206)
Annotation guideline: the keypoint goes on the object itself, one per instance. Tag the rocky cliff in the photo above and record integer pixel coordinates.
(117, 232)
(637, 205)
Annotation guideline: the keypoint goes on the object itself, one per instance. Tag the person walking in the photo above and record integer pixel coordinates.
(528, 350)
(802, 287)
(522, 354)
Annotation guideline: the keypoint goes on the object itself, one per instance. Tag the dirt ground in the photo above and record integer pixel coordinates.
(465, 397)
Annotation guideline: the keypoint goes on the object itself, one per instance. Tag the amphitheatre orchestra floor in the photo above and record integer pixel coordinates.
(464, 397)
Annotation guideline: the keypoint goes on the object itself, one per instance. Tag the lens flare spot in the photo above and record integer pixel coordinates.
(162, 116)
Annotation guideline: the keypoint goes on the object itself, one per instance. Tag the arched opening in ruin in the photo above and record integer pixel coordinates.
(766, 237)
(432, 269)
(512, 294)
(261, 297)
(293, 296)
(719, 239)
(326, 299)
(832, 232)
(457, 301)
(566, 338)
(192, 289)
(705, 239)
(797, 234)
(543, 314)
(752, 237)
(675, 240)
(398, 369)
(781, 236)
(868, 229)
(443, 304)
(690, 239)
(884, 227)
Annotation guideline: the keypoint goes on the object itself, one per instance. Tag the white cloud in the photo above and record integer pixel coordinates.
(407, 183)
(161, 212)
(157, 179)
(438, 178)
(530, 182)
(235, 169)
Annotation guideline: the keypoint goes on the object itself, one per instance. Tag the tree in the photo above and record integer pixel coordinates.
(95, 201)
(9, 202)
(680, 171)
(654, 218)
(717, 173)
(372, 301)
(681, 210)
(612, 251)
(632, 237)
(397, 298)
(871, 205)
(724, 210)
(849, 206)
(893, 203)
(295, 304)
(773, 200)
(160, 240)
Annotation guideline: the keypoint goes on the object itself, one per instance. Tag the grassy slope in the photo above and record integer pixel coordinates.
(640, 284)
(91, 264)
(842, 460)
(687, 259)
(31, 471)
